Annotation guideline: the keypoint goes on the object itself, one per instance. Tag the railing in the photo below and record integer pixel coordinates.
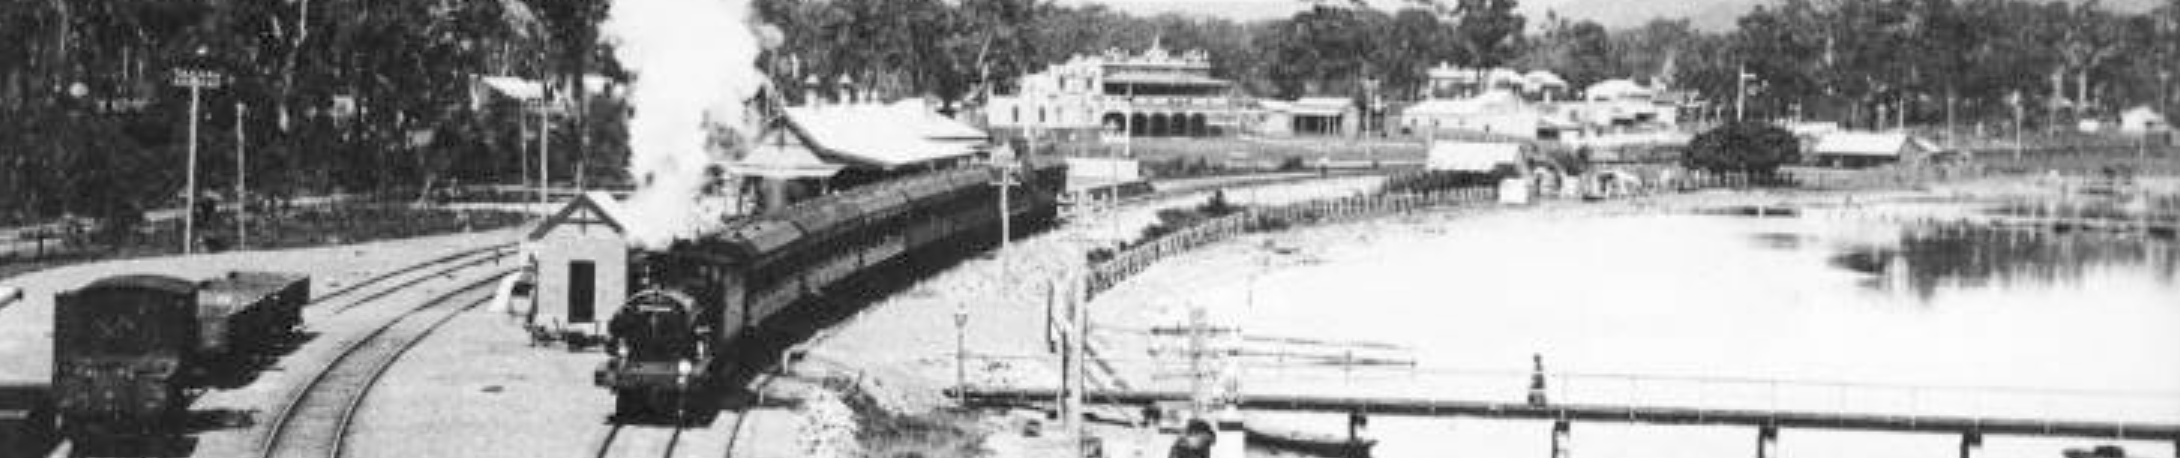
(1658, 395)
(1399, 194)
(1133, 260)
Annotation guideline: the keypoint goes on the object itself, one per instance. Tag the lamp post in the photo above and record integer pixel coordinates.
(197, 80)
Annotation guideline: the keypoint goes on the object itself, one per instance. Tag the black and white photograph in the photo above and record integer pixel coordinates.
(1089, 228)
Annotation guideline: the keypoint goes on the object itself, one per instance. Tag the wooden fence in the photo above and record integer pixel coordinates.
(1103, 275)
(1398, 195)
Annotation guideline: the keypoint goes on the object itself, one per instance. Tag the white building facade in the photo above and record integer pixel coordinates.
(1155, 94)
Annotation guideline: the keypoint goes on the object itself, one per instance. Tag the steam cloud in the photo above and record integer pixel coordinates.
(695, 64)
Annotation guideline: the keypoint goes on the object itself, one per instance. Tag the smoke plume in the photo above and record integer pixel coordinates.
(694, 65)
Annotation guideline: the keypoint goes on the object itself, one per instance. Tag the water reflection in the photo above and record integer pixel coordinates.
(1928, 257)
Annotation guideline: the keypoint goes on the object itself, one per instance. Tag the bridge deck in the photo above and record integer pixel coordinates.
(1624, 413)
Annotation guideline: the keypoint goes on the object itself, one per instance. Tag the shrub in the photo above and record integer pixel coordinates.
(1747, 147)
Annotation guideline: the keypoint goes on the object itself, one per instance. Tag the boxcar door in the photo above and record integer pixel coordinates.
(582, 291)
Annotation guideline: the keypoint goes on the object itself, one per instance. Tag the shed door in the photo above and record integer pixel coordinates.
(582, 291)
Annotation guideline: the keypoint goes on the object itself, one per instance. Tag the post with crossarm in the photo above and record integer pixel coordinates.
(197, 80)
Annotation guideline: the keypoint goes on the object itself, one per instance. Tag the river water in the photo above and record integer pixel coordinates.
(1830, 310)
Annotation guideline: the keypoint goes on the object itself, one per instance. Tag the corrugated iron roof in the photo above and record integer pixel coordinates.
(885, 136)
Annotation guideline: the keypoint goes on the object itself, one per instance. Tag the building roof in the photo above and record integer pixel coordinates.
(595, 207)
(1311, 106)
(1165, 78)
(1487, 102)
(529, 89)
(884, 136)
(2142, 118)
(781, 154)
(515, 88)
(1472, 156)
(1540, 79)
(1617, 88)
(1883, 144)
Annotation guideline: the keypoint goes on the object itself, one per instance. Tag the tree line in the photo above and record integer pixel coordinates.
(323, 96)
(379, 96)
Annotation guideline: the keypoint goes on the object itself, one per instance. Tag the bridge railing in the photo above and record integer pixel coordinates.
(1649, 392)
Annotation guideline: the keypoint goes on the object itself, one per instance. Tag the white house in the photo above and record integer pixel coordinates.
(1472, 156)
(1331, 116)
(1499, 113)
(580, 256)
(2143, 120)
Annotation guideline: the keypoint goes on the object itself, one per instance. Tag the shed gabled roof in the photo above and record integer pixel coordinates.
(595, 207)
(1871, 144)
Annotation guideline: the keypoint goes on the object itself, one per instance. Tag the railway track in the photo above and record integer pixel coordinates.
(314, 422)
(718, 438)
(639, 441)
(391, 282)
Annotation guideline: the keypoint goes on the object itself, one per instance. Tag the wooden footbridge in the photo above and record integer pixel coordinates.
(1971, 428)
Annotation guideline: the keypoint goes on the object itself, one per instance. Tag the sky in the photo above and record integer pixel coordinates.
(1716, 15)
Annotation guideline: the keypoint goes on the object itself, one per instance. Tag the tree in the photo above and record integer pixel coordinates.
(1756, 148)
(1416, 40)
(1580, 52)
(1488, 29)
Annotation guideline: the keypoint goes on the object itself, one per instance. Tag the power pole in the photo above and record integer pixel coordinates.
(1741, 92)
(1005, 167)
(961, 350)
(2019, 111)
(197, 80)
(1073, 368)
(544, 145)
(242, 199)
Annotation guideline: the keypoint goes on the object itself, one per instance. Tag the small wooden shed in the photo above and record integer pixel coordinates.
(580, 260)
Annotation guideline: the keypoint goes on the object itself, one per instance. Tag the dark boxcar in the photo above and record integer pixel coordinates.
(25, 419)
(119, 345)
(243, 312)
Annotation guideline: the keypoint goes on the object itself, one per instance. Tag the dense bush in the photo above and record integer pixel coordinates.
(1746, 147)
(1175, 219)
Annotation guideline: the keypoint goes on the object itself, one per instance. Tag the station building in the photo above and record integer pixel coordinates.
(1151, 94)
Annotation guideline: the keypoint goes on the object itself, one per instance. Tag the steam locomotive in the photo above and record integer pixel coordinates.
(699, 301)
(129, 350)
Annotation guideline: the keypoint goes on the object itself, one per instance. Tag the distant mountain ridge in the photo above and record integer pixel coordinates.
(1712, 15)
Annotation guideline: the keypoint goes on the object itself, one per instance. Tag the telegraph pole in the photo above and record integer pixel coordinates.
(1741, 92)
(242, 200)
(1004, 165)
(544, 145)
(2018, 112)
(197, 80)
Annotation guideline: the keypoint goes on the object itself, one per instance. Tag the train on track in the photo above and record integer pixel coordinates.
(130, 351)
(696, 300)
